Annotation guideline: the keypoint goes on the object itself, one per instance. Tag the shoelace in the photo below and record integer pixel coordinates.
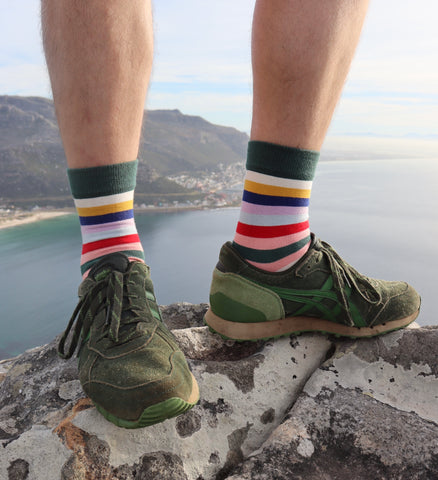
(108, 293)
(345, 275)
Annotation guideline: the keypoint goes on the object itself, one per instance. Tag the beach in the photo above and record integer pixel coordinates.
(14, 218)
(21, 217)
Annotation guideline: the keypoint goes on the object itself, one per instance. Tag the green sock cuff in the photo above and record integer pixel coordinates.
(281, 161)
(100, 181)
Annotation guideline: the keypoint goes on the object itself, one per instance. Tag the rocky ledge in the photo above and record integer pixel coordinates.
(308, 407)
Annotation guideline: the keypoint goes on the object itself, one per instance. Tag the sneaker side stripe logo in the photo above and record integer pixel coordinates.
(312, 299)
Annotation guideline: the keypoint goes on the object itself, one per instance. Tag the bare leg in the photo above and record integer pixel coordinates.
(99, 55)
(301, 52)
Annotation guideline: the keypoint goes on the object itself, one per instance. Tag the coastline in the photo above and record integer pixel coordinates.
(18, 218)
(22, 218)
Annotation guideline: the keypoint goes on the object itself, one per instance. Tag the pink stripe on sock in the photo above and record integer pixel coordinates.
(284, 263)
(107, 226)
(105, 251)
(270, 243)
(135, 259)
(270, 210)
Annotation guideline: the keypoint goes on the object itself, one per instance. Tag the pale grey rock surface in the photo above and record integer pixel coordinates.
(311, 407)
(370, 412)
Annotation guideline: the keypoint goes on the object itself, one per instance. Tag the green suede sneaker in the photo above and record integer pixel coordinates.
(319, 293)
(129, 363)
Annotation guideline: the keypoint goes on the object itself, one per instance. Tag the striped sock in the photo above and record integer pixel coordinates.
(104, 200)
(273, 229)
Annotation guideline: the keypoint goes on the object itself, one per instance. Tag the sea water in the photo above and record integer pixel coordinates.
(380, 215)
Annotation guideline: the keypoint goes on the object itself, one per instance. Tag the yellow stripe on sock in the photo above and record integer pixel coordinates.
(104, 209)
(277, 181)
(262, 189)
(104, 200)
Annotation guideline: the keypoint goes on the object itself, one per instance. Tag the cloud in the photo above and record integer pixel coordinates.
(217, 108)
(392, 88)
(193, 70)
(416, 73)
(400, 28)
(203, 29)
(389, 116)
(20, 31)
(24, 79)
(367, 147)
(202, 63)
(203, 41)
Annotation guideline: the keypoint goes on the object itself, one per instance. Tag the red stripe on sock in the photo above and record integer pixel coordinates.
(109, 242)
(270, 232)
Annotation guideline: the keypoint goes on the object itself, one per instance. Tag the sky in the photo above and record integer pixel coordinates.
(202, 64)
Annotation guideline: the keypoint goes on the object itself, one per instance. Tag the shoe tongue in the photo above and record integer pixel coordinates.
(113, 261)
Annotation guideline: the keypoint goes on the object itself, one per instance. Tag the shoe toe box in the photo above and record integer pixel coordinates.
(403, 302)
(128, 385)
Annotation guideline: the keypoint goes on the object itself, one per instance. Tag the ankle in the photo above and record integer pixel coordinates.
(104, 199)
(273, 229)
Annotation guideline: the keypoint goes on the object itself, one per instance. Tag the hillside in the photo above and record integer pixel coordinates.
(32, 160)
(173, 143)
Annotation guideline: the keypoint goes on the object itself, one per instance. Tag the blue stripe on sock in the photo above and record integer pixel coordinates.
(107, 218)
(259, 199)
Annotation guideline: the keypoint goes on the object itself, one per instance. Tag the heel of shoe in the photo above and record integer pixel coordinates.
(237, 299)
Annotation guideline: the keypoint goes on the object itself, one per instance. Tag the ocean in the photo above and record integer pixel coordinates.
(380, 215)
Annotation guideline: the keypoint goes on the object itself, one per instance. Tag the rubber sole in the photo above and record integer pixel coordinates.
(171, 407)
(297, 325)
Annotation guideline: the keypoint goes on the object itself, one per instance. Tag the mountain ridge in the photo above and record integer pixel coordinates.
(33, 165)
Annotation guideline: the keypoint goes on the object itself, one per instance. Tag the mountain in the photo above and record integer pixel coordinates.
(173, 143)
(33, 166)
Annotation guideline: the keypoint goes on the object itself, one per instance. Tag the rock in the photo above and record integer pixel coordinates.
(300, 407)
(5, 366)
(370, 412)
(184, 315)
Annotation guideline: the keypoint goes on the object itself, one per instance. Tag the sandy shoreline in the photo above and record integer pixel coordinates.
(23, 217)
(30, 217)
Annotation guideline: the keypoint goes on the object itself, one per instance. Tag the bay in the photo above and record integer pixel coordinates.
(380, 215)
